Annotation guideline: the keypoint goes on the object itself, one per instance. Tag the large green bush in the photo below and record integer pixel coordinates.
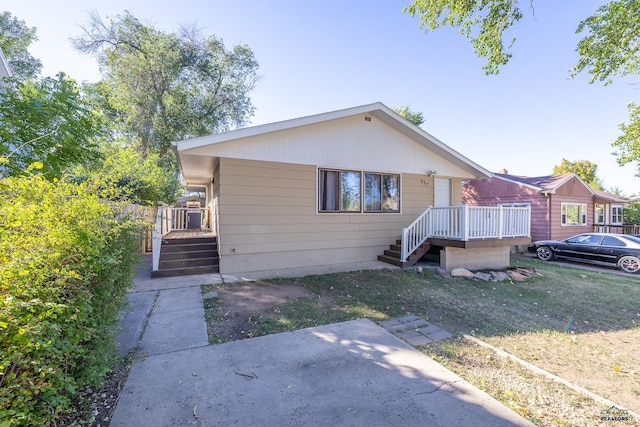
(66, 260)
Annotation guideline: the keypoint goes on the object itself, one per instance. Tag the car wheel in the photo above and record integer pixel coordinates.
(629, 264)
(544, 253)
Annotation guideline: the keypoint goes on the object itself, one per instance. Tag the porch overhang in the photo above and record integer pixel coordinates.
(196, 170)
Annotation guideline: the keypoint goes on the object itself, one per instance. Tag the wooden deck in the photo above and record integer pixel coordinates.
(189, 234)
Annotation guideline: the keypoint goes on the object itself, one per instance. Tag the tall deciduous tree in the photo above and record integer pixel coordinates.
(46, 121)
(586, 170)
(411, 116)
(163, 87)
(610, 45)
(483, 22)
(15, 38)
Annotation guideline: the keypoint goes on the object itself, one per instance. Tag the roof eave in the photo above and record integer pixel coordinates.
(378, 110)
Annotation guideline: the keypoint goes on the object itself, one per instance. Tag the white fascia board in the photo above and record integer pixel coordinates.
(429, 141)
(189, 144)
(567, 179)
(377, 109)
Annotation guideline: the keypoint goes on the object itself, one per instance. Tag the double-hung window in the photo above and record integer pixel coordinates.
(574, 214)
(355, 191)
(616, 214)
(600, 210)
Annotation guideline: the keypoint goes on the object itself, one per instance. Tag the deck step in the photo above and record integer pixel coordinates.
(393, 255)
(187, 256)
(173, 272)
(208, 261)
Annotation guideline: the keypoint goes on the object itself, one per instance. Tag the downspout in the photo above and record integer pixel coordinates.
(549, 216)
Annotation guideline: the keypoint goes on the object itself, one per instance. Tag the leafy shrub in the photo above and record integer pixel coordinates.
(66, 260)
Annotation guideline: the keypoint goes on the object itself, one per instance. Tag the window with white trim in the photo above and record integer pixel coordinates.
(573, 214)
(616, 214)
(381, 192)
(600, 213)
(355, 191)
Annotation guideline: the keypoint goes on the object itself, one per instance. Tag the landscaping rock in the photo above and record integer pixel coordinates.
(442, 272)
(482, 276)
(499, 276)
(518, 277)
(461, 272)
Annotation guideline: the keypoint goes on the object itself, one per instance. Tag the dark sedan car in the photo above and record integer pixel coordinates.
(621, 250)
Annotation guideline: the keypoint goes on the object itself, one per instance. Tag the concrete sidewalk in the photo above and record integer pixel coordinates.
(352, 373)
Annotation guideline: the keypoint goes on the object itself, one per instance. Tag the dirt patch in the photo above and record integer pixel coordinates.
(235, 308)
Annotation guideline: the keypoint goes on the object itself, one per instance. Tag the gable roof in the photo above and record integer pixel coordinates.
(548, 184)
(186, 148)
(544, 184)
(610, 197)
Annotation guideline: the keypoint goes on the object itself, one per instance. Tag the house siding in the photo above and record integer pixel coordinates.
(268, 219)
(572, 191)
(350, 142)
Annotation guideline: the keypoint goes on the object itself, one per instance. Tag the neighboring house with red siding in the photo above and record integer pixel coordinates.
(561, 205)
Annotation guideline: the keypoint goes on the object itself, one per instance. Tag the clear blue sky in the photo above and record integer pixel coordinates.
(319, 56)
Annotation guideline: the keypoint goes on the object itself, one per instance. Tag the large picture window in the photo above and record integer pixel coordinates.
(355, 191)
(381, 192)
(574, 214)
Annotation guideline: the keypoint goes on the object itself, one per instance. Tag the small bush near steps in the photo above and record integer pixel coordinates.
(66, 260)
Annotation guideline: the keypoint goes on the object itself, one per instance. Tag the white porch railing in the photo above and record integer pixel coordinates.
(173, 219)
(466, 223)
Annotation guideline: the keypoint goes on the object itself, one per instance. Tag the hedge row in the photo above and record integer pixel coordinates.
(66, 261)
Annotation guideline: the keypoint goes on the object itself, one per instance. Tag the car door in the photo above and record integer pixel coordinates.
(610, 249)
(583, 246)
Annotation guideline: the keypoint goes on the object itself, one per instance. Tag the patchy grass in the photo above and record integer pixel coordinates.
(581, 325)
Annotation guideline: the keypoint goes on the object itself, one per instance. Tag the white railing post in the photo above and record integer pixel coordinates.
(501, 222)
(404, 244)
(156, 244)
(464, 220)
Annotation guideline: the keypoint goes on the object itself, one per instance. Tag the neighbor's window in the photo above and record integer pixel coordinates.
(342, 191)
(599, 214)
(574, 214)
(381, 192)
(338, 191)
(616, 214)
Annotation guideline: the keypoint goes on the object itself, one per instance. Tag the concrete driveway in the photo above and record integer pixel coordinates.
(346, 374)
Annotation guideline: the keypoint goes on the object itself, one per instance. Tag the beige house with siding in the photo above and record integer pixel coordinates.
(332, 188)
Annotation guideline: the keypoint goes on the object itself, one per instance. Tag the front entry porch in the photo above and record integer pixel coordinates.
(470, 236)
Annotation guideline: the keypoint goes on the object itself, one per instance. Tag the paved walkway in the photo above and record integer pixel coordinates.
(415, 330)
(351, 373)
